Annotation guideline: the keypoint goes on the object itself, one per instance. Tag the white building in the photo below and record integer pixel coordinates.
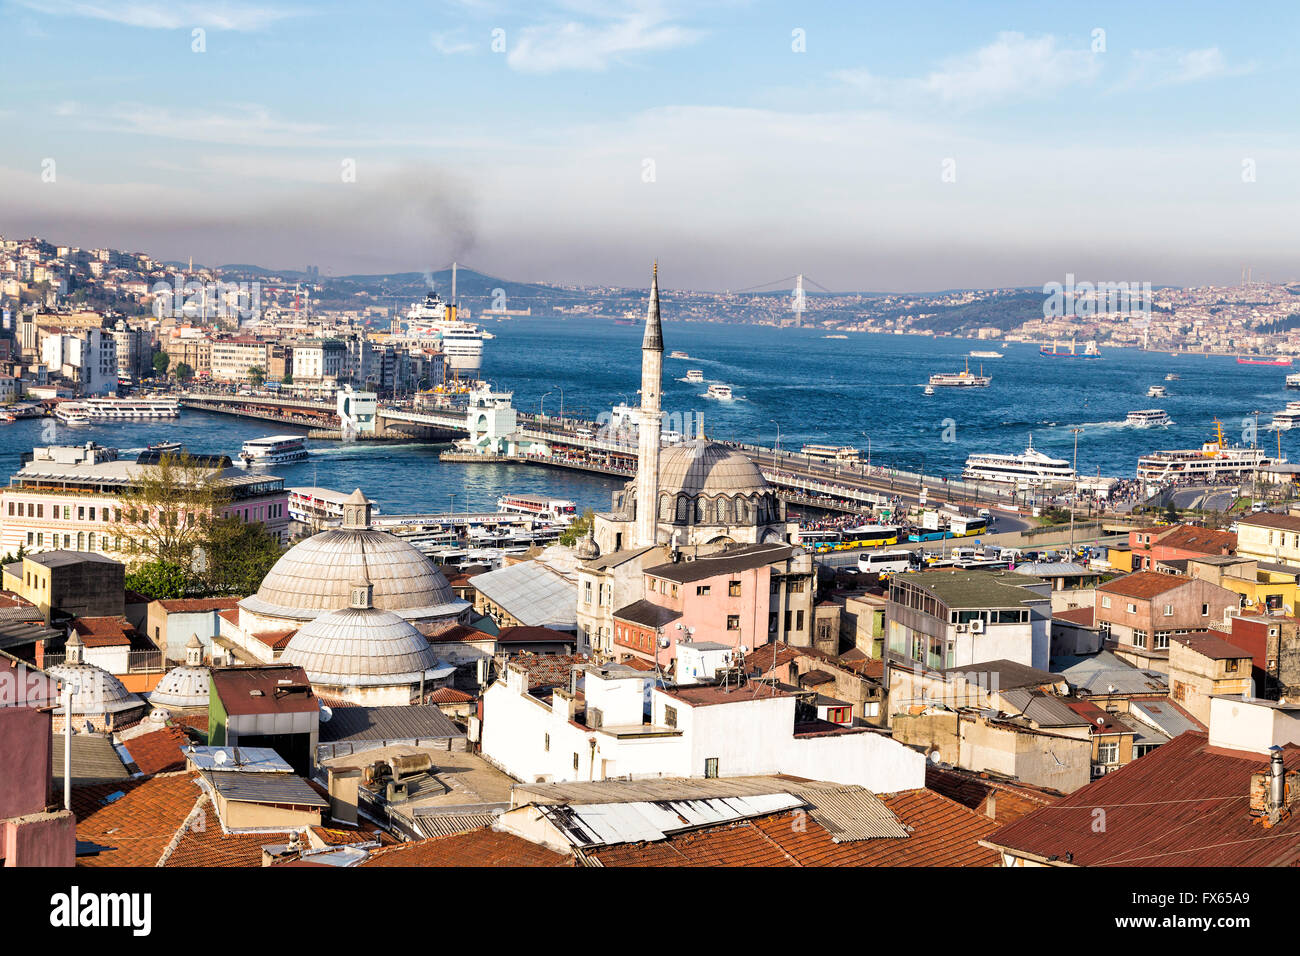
(704, 730)
(89, 360)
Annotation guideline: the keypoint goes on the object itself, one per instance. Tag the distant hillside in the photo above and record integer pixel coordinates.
(1004, 311)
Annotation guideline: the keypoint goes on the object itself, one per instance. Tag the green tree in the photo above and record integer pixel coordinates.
(160, 362)
(256, 375)
(160, 580)
(578, 529)
(169, 509)
(1171, 513)
(288, 379)
(237, 555)
(184, 372)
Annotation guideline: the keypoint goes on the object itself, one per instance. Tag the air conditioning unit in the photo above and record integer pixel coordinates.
(977, 626)
(962, 628)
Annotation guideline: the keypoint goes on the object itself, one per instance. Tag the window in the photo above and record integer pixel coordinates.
(1139, 638)
(1169, 610)
(575, 760)
(1161, 642)
(670, 716)
(1231, 666)
(586, 591)
(1205, 610)
(546, 743)
(1105, 600)
(798, 621)
(1108, 752)
(711, 767)
(733, 622)
(702, 590)
(733, 588)
(796, 586)
(1132, 608)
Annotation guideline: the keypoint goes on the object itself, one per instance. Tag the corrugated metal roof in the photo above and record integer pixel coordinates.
(1044, 710)
(94, 760)
(607, 824)
(422, 722)
(280, 788)
(238, 759)
(443, 824)
(533, 594)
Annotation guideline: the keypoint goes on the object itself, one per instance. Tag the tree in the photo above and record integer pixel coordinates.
(159, 580)
(256, 375)
(184, 372)
(237, 555)
(288, 379)
(578, 529)
(160, 362)
(1171, 513)
(169, 508)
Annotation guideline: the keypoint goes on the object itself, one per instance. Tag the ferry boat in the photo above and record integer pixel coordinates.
(1089, 351)
(695, 375)
(90, 410)
(832, 452)
(1156, 391)
(461, 342)
(1285, 421)
(539, 506)
(963, 379)
(1264, 360)
(321, 507)
(1030, 468)
(678, 354)
(1293, 380)
(986, 355)
(1148, 418)
(272, 450)
(1171, 377)
(720, 392)
(1213, 460)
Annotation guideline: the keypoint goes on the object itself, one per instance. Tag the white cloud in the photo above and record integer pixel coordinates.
(574, 45)
(1157, 68)
(448, 45)
(250, 125)
(1013, 66)
(160, 15)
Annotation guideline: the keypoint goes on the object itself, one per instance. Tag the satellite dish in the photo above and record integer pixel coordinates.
(934, 757)
(325, 714)
(219, 758)
(1101, 721)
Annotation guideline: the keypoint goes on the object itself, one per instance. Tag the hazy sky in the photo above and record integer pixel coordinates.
(879, 146)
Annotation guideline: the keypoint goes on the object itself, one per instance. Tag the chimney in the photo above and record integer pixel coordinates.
(1276, 786)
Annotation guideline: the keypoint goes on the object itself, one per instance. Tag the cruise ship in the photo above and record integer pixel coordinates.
(272, 450)
(963, 379)
(1030, 468)
(1213, 460)
(1148, 418)
(461, 342)
(88, 411)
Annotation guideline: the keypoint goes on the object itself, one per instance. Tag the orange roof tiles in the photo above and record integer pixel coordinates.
(136, 827)
(209, 846)
(1082, 616)
(190, 605)
(944, 833)
(482, 847)
(1008, 801)
(1143, 584)
(159, 751)
(449, 695)
(1199, 540)
(102, 631)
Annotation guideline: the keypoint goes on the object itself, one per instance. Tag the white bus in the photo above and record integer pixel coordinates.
(884, 562)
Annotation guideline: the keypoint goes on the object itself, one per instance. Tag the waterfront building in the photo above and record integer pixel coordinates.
(320, 361)
(88, 360)
(68, 496)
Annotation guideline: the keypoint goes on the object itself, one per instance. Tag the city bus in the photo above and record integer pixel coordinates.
(868, 536)
(884, 562)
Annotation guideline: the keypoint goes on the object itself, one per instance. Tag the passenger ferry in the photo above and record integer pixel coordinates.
(1148, 418)
(1030, 468)
(1089, 351)
(1293, 380)
(821, 540)
(89, 410)
(832, 452)
(1156, 391)
(272, 450)
(1213, 460)
(1284, 421)
(963, 379)
(320, 507)
(437, 321)
(678, 354)
(539, 506)
(720, 392)
(986, 355)
(695, 375)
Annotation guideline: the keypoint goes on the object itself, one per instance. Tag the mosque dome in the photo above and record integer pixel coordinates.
(316, 575)
(361, 645)
(186, 685)
(95, 692)
(703, 467)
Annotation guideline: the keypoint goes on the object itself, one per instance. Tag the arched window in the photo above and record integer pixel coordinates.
(724, 511)
(665, 507)
(682, 503)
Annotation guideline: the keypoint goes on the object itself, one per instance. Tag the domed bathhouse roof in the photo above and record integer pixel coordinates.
(362, 646)
(95, 692)
(185, 686)
(316, 575)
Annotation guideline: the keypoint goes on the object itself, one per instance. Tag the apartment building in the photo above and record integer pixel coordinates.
(232, 358)
(1140, 613)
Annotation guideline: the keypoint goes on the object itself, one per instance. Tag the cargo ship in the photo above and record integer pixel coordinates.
(1089, 351)
(1265, 360)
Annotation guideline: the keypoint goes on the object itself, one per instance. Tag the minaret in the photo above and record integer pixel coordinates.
(649, 422)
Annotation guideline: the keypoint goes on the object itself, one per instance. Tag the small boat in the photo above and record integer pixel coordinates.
(678, 355)
(929, 390)
(986, 355)
(1148, 418)
(835, 336)
(1156, 391)
(1171, 377)
(720, 392)
(694, 375)
(165, 446)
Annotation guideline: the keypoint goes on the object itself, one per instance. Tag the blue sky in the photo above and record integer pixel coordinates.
(906, 147)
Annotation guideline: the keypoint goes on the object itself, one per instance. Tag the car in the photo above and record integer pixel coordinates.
(1256, 508)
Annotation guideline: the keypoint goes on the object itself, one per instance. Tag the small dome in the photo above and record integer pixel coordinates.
(182, 687)
(94, 690)
(361, 646)
(587, 549)
(703, 467)
(316, 576)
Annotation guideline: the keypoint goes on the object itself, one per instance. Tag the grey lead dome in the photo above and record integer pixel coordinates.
(359, 646)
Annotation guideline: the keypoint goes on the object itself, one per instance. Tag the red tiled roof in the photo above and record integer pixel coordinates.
(638, 664)
(979, 792)
(1143, 584)
(1083, 616)
(944, 833)
(136, 827)
(1199, 540)
(482, 847)
(525, 634)
(276, 640)
(190, 605)
(1183, 804)
(230, 614)
(1092, 714)
(102, 631)
(704, 695)
(1215, 648)
(447, 631)
(449, 695)
(160, 751)
(209, 846)
(771, 655)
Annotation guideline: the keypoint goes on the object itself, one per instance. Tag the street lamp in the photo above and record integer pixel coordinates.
(778, 435)
(542, 405)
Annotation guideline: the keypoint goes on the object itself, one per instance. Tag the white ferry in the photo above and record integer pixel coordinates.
(1148, 418)
(929, 390)
(1213, 460)
(436, 321)
(272, 450)
(539, 506)
(962, 379)
(90, 410)
(1285, 421)
(721, 392)
(320, 507)
(1293, 380)
(986, 355)
(695, 375)
(1156, 391)
(678, 354)
(832, 452)
(1030, 468)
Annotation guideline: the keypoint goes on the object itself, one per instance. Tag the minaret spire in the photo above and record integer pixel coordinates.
(649, 422)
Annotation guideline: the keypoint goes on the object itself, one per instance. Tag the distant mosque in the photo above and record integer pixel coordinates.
(702, 496)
